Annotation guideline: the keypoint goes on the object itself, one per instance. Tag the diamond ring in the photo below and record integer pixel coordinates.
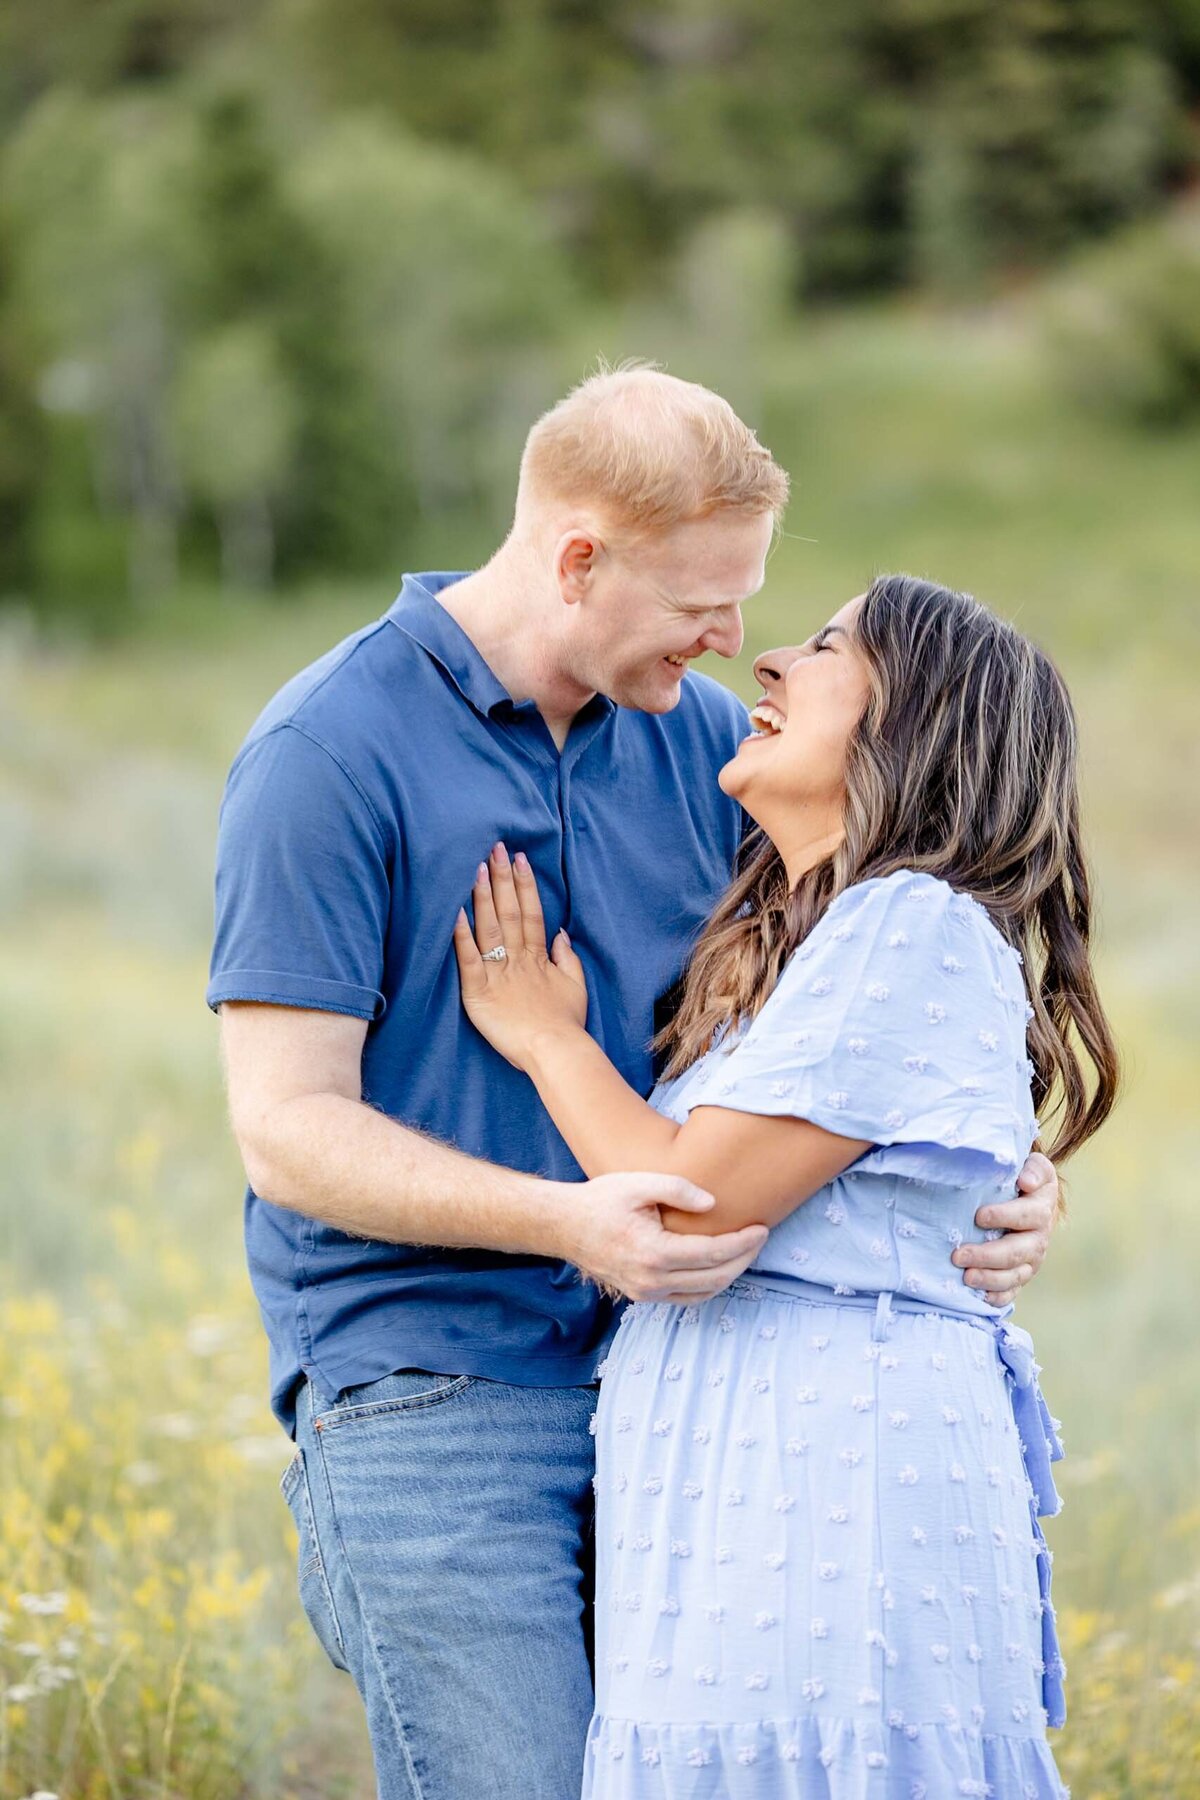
(496, 955)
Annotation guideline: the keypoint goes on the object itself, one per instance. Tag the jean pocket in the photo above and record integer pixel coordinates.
(407, 1390)
(316, 1596)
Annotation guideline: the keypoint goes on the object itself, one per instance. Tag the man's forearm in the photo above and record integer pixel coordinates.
(339, 1161)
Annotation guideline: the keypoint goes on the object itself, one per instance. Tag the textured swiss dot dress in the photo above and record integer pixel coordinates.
(819, 1565)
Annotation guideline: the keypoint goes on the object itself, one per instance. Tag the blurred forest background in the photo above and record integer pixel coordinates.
(282, 285)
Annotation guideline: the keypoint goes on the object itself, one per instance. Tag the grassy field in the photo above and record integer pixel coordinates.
(150, 1643)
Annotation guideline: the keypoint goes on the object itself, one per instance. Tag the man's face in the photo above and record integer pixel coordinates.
(646, 610)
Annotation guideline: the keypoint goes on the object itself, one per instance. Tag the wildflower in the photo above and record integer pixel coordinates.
(42, 1604)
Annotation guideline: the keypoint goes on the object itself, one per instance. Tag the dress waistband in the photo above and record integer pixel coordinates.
(752, 1286)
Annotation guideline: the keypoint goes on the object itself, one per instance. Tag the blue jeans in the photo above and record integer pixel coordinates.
(446, 1561)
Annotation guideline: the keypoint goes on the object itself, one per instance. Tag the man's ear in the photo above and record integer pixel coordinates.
(575, 557)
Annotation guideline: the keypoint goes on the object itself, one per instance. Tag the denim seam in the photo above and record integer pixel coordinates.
(290, 1476)
(289, 1481)
(369, 1409)
(294, 1486)
(317, 1562)
(368, 1634)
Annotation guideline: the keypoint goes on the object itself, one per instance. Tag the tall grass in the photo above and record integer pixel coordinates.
(150, 1643)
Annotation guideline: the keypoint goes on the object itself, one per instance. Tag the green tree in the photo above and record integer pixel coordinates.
(236, 430)
(453, 288)
(23, 445)
(935, 139)
(264, 264)
(97, 199)
(1041, 123)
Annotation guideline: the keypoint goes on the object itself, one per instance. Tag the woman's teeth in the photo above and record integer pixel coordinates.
(678, 662)
(767, 720)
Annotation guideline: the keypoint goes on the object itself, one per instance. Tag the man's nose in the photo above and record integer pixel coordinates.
(770, 669)
(726, 636)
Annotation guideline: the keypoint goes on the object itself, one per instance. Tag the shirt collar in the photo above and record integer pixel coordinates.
(418, 612)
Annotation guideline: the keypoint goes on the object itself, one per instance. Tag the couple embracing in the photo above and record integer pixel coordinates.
(579, 1027)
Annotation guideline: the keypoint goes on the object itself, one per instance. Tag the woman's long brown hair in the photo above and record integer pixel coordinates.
(963, 766)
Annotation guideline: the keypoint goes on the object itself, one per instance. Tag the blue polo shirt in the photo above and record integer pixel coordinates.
(354, 818)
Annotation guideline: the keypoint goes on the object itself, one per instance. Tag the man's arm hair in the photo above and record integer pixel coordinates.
(311, 1144)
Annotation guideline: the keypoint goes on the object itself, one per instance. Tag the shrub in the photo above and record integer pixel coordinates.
(1124, 329)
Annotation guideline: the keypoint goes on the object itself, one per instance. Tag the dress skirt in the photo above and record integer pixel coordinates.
(820, 1571)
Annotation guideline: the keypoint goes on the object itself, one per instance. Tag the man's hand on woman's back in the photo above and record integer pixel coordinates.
(1003, 1266)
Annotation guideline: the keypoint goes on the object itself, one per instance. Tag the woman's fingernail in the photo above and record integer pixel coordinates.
(522, 862)
(501, 855)
(481, 873)
(563, 935)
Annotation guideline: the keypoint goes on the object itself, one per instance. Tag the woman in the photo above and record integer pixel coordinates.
(819, 1566)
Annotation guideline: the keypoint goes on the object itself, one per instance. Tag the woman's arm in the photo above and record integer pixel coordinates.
(531, 1005)
(758, 1169)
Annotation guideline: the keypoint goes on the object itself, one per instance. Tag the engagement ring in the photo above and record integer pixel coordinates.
(496, 955)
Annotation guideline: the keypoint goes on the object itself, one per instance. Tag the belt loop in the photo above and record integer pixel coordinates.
(883, 1318)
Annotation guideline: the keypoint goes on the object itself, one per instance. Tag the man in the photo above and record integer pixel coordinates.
(416, 1229)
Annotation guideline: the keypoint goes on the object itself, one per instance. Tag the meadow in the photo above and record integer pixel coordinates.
(150, 1640)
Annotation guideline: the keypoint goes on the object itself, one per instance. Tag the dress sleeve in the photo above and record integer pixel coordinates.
(900, 1020)
(303, 882)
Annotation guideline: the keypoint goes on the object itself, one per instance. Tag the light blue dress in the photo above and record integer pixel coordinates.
(819, 1565)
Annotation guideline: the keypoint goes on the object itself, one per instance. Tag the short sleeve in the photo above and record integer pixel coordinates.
(303, 882)
(900, 1020)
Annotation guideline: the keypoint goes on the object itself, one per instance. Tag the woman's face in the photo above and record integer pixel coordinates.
(790, 773)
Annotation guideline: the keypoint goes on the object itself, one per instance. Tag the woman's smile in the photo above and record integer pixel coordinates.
(767, 719)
